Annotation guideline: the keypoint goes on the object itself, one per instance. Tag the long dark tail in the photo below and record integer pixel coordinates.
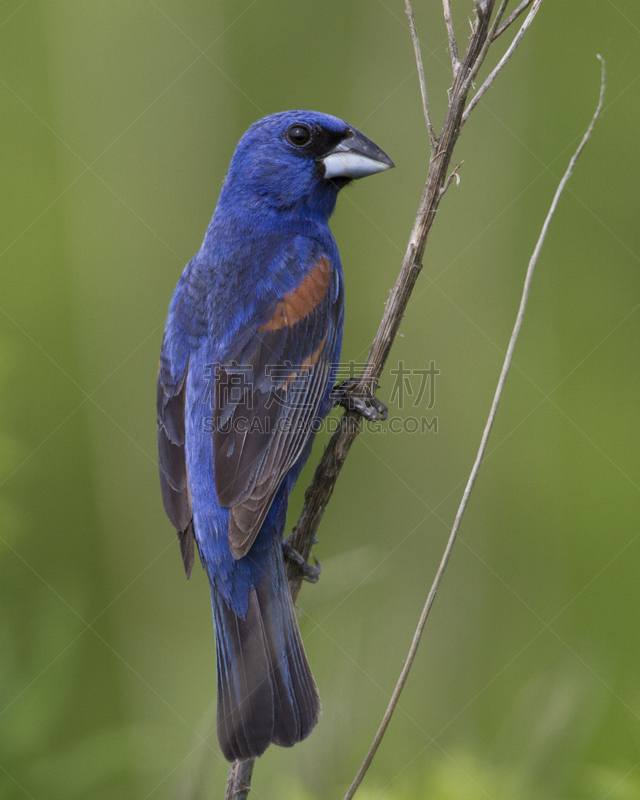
(266, 692)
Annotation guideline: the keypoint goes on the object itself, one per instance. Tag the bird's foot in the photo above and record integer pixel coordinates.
(367, 406)
(309, 573)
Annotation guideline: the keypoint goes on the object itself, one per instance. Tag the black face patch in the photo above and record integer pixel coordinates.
(325, 140)
(321, 143)
(339, 182)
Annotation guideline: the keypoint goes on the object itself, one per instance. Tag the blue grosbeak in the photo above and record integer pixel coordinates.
(248, 363)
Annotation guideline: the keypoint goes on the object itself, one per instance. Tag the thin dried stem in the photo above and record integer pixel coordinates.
(239, 780)
(452, 177)
(487, 44)
(496, 22)
(321, 488)
(481, 450)
(510, 51)
(453, 45)
(433, 141)
(512, 18)
(231, 780)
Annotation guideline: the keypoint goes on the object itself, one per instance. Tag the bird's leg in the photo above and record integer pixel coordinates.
(368, 406)
(309, 573)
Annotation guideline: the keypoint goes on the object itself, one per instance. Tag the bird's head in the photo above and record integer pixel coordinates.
(299, 160)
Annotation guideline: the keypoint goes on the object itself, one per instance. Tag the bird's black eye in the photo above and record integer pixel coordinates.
(298, 135)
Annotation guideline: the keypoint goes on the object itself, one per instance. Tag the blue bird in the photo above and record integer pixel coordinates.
(248, 362)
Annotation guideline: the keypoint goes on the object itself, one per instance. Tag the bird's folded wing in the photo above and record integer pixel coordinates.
(269, 396)
(172, 462)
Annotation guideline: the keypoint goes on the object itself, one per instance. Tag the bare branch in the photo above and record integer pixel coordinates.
(453, 45)
(475, 68)
(326, 475)
(512, 18)
(496, 22)
(510, 51)
(433, 141)
(452, 177)
(481, 451)
(239, 780)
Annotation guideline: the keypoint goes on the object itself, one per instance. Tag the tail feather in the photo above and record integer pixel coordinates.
(298, 681)
(266, 692)
(286, 719)
(230, 727)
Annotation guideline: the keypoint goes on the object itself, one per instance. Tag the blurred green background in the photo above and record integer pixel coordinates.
(118, 122)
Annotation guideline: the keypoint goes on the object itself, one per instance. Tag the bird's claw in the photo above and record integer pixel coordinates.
(309, 573)
(368, 406)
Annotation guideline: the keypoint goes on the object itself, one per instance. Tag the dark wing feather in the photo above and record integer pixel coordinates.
(267, 399)
(174, 481)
